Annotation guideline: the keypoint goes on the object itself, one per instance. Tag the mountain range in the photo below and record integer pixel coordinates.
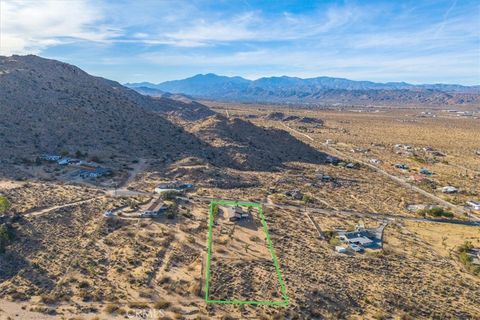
(320, 90)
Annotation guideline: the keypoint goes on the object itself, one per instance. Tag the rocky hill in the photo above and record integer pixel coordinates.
(320, 90)
(50, 106)
(252, 147)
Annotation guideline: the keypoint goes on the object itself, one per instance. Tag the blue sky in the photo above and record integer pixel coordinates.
(133, 41)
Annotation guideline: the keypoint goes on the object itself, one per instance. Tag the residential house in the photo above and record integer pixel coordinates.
(156, 208)
(50, 157)
(449, 189)
(67, 161)
(235, 213)
(474, 205)
(361, 237)
(173, 186)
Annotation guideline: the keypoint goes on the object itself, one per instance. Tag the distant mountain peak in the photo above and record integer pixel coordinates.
(318, 90)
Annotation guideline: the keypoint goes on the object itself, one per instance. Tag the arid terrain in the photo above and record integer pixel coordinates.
(231, 160)
(66, 259)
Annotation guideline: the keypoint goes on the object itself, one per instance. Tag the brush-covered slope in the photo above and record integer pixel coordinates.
(50, 106)
(253, 147)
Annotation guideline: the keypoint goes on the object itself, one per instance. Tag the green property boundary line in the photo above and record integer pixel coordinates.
(284, 301)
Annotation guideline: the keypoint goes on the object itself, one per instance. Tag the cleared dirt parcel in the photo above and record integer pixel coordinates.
(242, 267)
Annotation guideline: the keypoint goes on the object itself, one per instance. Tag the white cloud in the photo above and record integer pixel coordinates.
(30, 26)
(255, 27)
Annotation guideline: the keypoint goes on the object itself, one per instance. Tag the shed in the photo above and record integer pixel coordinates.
(340, 249)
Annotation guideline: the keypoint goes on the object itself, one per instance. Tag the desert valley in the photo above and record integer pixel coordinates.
(368, 211)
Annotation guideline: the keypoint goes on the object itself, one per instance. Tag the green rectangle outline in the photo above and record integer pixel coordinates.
(283, 302)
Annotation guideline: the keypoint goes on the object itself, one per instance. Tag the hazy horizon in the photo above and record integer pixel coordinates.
(280, 76)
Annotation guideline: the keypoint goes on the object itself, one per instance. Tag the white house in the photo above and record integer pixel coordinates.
(474, 205)
(449, 189)
(235, 213)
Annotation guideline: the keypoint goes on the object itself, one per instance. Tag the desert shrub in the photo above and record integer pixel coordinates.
(436, 212)
(466, 259)
(170, 195)
(161, 304)
(95, 159)
(48, 299)
(146, 294)
(111, 308)
(222, 241)
(329, 234)
(334, 241)
(138, 305)
(191, 238)
(465, 247)
(6, 237)
(215, 211)
(307, 199)
(171, 214)
(255, 238)
(4, 204)
(196, 289)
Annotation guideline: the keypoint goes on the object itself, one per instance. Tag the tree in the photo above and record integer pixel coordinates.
(170, 195)
(215, 211)
(4, 204)
(5, 237)
(307, 199)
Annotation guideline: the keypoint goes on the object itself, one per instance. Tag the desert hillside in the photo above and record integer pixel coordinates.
(50, 106)
(53, 107)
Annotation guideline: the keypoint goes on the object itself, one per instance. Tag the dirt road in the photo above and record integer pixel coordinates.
(384, 216)
(71, 204)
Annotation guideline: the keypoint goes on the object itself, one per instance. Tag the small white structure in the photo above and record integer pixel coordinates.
(173, 186)
(108, 213)
(67, 161)
(474, 205)
(340, 249)
(356, 248)
(51, 157)
(449, 189)
(375, 161)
